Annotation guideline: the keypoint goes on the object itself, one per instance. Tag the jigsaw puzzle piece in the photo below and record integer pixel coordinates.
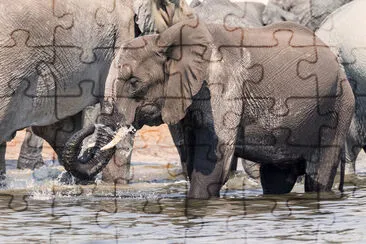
(99, 33)
(30, 156)
(39, 35)
(22, 72)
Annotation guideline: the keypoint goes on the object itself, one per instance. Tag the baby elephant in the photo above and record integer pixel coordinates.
(274, 95)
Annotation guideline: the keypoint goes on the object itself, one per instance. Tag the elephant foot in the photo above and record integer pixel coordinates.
(278, 179)
(204, 191)
(203, 186)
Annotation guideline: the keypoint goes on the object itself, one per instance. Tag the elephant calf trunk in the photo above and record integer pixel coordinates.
(87, 167)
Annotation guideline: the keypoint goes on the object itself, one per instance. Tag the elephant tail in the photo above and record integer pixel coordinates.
(342, 170)
(347, 106)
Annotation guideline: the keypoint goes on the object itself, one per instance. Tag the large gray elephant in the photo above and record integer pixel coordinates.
(310, 13)
(344, 31)
(55, 57)
(256, 98)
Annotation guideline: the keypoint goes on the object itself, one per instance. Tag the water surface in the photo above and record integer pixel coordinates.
(153, 209)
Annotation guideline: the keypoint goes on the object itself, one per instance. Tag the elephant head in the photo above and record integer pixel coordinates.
(153, 81)
(155, 16)
(277, 11)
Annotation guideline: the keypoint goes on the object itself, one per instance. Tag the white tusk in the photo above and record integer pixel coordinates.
(90, 145)
(121, 133)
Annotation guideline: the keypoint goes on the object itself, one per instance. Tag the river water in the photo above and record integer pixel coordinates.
(153, 209)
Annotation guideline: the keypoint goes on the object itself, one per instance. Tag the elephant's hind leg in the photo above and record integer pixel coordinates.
(2, 161)
(280, 179)
(322, 167)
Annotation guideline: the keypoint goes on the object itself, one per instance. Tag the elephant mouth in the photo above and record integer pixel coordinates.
(148, 114)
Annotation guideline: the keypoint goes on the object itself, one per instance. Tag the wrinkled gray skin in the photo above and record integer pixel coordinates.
(225, 12)
(228, 14)
(30, 155)
(349, 43)
(213, 103)
(62, 64)
(309, 13)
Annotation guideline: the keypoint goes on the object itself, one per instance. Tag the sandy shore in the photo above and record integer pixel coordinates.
(152, 144)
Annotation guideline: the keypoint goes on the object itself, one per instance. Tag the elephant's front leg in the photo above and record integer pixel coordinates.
(30, 156)
(118, 168)
(2, 161)
(182, 138)
(280, 179)
(211, 160)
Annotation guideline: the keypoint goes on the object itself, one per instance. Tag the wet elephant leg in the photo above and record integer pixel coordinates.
(181, 138)
(118, 168)
(30, 156)
(234, 163)
(2, 160)
(280, 179)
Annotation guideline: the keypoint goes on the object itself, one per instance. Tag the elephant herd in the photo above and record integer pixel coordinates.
(233, 81)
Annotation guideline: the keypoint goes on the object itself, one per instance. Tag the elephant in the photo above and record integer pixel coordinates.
(349, 45)
(310, 13)
(225, 12)
(228, 96)
(50, 72)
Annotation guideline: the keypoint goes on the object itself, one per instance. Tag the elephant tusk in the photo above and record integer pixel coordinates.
(121, 133)
(90, 145)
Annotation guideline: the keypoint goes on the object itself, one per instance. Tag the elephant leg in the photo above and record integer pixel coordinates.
(280, 179)
(118, 168)
(30, 156)
(252, 169)
(354, 144)
(2, 161)
(234, 164)
(322, 165)
(320, 173)
(350, 160)
(182, 141)
(211, 162)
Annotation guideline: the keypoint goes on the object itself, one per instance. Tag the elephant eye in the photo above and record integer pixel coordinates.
(133, 84)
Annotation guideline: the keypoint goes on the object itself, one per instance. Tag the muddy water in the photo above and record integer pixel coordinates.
(153, 208)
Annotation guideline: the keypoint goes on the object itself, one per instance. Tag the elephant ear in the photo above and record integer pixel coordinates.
(188, 47)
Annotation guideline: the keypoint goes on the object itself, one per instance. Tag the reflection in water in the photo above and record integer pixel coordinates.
(157, 211)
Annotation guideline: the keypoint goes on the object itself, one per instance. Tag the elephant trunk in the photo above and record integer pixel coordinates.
(88, 166)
